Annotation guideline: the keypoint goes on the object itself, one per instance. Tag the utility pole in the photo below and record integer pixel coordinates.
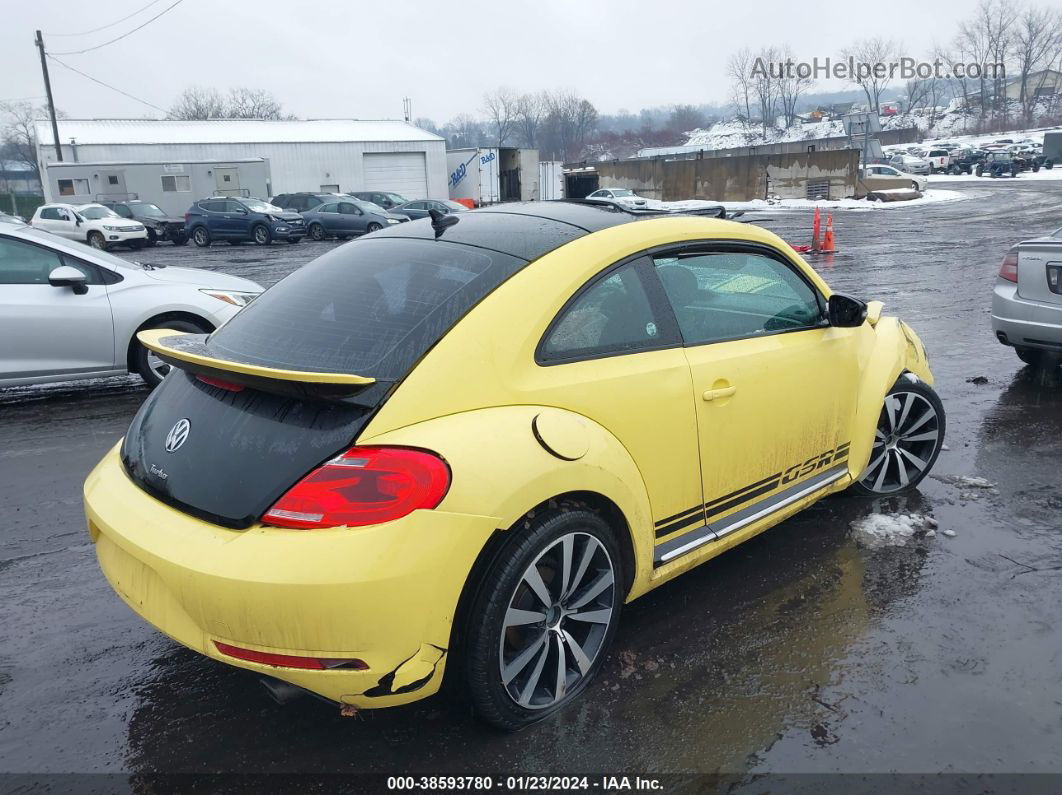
(51, 102)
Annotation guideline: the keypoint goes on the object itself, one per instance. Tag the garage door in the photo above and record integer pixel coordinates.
(398, 172)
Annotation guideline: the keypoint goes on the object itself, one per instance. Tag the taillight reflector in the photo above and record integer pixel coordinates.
(365, 485)
(290, 660)
(1009, 268)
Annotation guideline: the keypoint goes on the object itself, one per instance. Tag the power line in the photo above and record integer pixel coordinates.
(119, 38)
(107, 85)
(109, 24)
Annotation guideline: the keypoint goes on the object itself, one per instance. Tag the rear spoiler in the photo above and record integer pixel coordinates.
(189, 352)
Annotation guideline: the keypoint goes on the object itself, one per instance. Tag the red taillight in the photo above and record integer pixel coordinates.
(290, 660)
(228, 386)
(1009, 268)
(187, 216)
(365, 485)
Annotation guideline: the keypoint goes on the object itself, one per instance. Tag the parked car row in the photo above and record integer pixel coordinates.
(345, 215)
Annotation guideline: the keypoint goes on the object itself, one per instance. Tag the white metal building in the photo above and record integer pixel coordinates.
(312, 155)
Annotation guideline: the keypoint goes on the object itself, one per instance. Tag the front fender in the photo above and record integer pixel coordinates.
(891, 349)
(500, 469)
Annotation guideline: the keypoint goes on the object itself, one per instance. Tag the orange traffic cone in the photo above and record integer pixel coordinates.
(828, 245)
(815, 228)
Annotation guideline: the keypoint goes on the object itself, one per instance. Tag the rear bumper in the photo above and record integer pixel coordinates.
(385, 595)
(1019, 321)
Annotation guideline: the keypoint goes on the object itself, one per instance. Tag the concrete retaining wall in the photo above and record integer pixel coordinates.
(740, 178)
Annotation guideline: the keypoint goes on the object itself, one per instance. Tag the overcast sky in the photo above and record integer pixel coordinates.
(358, 59)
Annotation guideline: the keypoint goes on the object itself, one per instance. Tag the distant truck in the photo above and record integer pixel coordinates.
(488, 175)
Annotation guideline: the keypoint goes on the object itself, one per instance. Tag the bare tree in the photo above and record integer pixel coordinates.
(1037, 38)
(790, 87)
(568, 124)
(501, 106)
(529, 113)
(685, 118)
(197, 103)
(872, 59)
(254, 103)
(739, 70)
(424, 123)
(765, 73)
(18, 130)
(463, 131)
(997, 18)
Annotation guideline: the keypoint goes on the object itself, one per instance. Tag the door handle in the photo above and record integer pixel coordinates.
(719, 394)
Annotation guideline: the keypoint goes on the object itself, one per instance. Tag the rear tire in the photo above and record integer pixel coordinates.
(201, 236)
(150, 367)
(907, 441)
(527, 654)
(317, 231)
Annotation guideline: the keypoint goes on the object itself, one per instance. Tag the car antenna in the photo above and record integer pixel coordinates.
(440, 221)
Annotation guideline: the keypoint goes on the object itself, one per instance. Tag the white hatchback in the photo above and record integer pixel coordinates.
(67, 312)
(94, 224)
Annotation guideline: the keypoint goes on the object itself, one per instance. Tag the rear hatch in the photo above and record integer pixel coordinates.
(1040, 270)
(293, 379)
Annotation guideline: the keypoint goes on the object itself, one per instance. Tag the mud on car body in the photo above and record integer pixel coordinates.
(458, 446)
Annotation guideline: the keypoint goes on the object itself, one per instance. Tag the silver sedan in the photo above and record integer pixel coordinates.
(70, 312)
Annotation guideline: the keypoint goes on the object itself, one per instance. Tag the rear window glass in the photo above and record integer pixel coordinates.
(372, 307)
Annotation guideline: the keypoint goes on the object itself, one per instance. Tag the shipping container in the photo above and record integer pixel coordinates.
(551, 179)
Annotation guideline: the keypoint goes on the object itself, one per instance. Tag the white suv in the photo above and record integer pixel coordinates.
(68, 312)
(94, 224)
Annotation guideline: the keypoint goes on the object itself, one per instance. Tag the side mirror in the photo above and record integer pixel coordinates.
(66, 276)
(846, 312)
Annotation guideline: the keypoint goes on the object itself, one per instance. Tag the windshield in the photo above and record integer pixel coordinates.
(259, 206)
(96, 212)
(456, 207)
(622, 192)
(396, 199)
(150, 210)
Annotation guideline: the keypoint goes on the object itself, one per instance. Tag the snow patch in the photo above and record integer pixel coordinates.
(889, 530)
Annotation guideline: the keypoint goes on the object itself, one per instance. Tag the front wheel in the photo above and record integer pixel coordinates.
(261, 235)
(152, 238)
(372, 228)
(907, 441)
(544, 618)
(150, 367)
(915, 185)
(95, 239)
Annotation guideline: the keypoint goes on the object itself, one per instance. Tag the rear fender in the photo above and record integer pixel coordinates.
(894, 349)
(501, 469)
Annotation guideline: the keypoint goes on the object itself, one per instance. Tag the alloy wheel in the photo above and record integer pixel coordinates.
(905, 442)
(557, 621)
(158, 367)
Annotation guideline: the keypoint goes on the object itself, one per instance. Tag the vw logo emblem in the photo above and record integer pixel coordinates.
(177, 435)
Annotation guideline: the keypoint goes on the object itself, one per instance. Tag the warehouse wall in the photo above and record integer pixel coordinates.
(294, 166)
(735, 178)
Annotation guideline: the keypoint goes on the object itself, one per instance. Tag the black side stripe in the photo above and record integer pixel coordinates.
(733, 494)
(697, 517)
(679, 515)
(718, 507)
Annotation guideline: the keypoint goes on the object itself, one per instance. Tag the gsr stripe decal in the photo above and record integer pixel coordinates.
(743, 495)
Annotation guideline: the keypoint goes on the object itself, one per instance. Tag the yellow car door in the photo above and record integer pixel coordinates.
(774, 385)
(614, 354)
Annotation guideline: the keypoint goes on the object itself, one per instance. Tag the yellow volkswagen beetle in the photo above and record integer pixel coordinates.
(462, 444)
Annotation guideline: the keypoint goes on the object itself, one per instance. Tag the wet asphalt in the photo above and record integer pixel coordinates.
(802, 651)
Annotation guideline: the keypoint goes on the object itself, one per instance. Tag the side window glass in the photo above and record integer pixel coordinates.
(92, 273)
(729, 295)
(611, 316)
(22, 263)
